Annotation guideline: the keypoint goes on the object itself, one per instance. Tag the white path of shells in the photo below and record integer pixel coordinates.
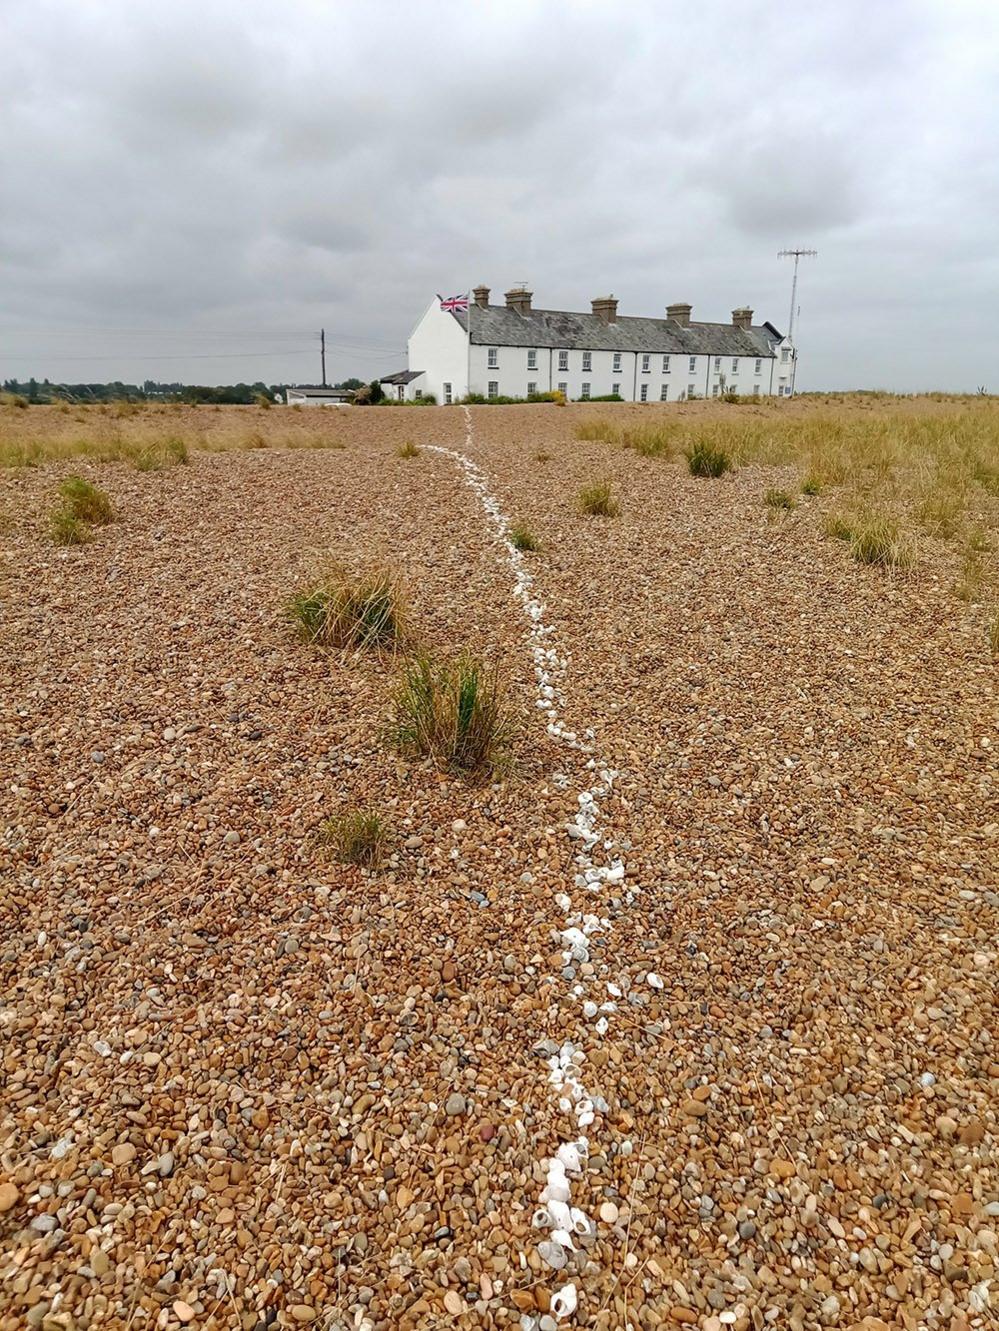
(566, 1225)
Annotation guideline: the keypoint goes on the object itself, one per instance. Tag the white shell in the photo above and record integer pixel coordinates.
(563, 1303)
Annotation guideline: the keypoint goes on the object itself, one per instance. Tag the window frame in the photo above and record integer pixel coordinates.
(447, 393)
(563, 361)
(492, 388)
(563, 388)
(643, 393)
(646, 362)
(759, 365)
(616, 367)
(665, 364)
(587, 362)
(584, 391)
(532, 358)
(616, 388)
(492, 358)
(532, 388)
(692, 365)
(664, 392)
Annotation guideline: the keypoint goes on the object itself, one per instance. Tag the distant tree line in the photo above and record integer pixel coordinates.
(44, 390)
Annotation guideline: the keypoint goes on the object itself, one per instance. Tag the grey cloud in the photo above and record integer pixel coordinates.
(230, 166)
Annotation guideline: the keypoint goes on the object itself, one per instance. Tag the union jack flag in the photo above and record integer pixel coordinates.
(453, 302)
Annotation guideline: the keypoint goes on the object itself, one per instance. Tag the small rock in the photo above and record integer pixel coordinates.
(455, 1104)
(8, 1196)
(608, 1213)
(454, 1303)
(183, 1311)
(123, 1153)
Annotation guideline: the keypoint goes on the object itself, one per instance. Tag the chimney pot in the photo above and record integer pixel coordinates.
(605, 308)
(679, 313)
(519, 299)
(742, 317)
(481, 295)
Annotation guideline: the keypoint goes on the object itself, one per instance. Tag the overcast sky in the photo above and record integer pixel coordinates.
(190, 190)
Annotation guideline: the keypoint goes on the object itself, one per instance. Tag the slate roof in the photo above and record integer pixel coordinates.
(401, 376)
(498, 326)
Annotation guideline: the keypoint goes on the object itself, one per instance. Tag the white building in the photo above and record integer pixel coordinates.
(513, 350)
(318, 397)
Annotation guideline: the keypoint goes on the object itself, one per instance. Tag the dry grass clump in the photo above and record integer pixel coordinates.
(812, 485)
(992, 633)
(453, 712)
(357, 836)
(352, 611)
(85, 501)
(973, 577)
(940, 513)
(542, 456)
(521, 537)
(597, 500)
(650, 441)
(596, 430)
(408, 450)
(13, 400)
(66, 528)
(840, 526)
(171, 451)
(778, 499)
(877, 540)
(708, 459)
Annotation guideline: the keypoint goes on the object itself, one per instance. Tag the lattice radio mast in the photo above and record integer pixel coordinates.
(795, 255)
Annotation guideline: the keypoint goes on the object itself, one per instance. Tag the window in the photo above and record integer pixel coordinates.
(714, 390)
(693, 364)
(401, 393)
(735, 364)
(759, 365)
(532, 389)
(784, 353)
(493, 388)
(645, 392)
(665, 365)
(691, 390)
(532, 360)
(646, 361)
(563, 388)
(616, 388)
(447, 393)
(717, 363)
(664, 393)
(585, 394)
(756, 390)
(563, 360)
(587, 361)
(617, 361)
(493, 361)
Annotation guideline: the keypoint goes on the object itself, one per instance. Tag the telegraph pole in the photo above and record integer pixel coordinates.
(322, 352)
(796, 255)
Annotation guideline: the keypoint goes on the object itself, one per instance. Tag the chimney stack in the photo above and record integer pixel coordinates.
(679, 314)
(605, 308)
(742, 317)
(519, 299)
(481, 295)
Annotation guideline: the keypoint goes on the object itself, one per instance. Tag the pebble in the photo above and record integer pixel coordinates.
(455, 1104)
(8, 1196)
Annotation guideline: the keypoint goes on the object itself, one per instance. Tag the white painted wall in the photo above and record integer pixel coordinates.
(513, 377)
(438, 346)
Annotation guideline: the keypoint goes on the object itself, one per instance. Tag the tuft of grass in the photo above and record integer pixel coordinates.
(940, 513)
(263, 400)
(778, 499)
(168, 452)
(453, 712)
(811, 485)
(708, 459)
(597, 500)
(542, 456)
(972, 578)
(521, 537)
(85, 501)
(840, 526)
(357, 836)
(13, 400)
(649, 441)
(876, 540)
(66, 528)
(596, 429)
(341, 610)
(992, 633)
(408, 450)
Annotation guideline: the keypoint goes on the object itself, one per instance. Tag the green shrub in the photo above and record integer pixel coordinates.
(453, 712)
(66, 528)
(359, 836)
(86, 501)
(707, 459)
(408, 450)
(340, 610)
(811, 485)
(597, 500)
(778, 499)
(521, 537)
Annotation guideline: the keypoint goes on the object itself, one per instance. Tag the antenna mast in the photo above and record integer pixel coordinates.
(322, 352)
(796, 255)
